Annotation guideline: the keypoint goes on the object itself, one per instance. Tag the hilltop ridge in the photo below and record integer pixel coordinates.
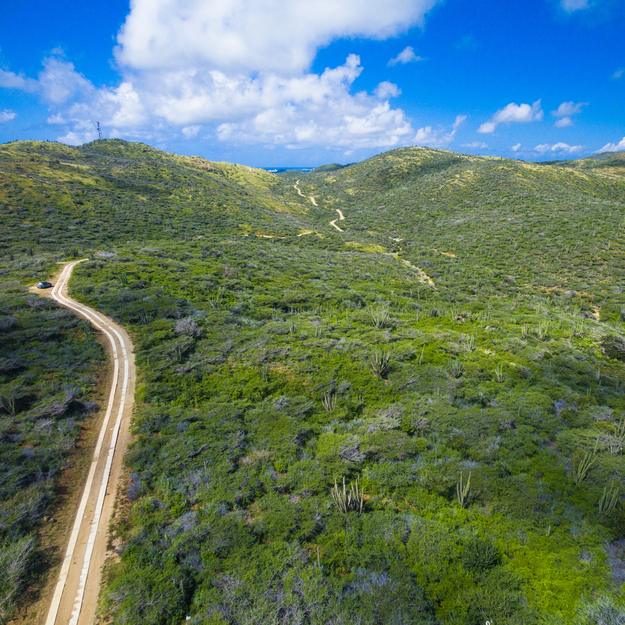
(112, 190)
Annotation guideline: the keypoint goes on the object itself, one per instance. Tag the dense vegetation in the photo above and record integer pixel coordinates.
(47, 377)
(419, 419)
(57, 196)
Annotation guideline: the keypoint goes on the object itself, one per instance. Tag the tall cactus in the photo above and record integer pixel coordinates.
(608, 500)
(462, 490)
(348, 499)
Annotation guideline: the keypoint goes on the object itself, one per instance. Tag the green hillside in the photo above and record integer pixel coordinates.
(110, 191)
(454, 355)
(549, 227)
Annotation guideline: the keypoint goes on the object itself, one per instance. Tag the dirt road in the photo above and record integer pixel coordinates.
(310, 197)
(341, 217)
(422, 275)
(76, 591)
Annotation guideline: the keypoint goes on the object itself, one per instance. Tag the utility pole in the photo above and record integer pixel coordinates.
(99, 131)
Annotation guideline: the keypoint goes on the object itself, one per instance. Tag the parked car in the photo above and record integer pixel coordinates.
(44, 285)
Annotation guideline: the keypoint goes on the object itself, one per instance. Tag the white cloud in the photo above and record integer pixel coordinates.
(571, 6)
(387, 90)
(517, 113)
(56, 119)
(407, 55)
(476, 145)
(460, 119)
(9, 80)
(568, 109)
(244, 66)
(557, 147)
(311, 110)
(81, 134)
(438, 138)
(247, 35)
(7, 116)
(564, 122)
(613, 147)
(516, 147)
(321, 111)
(565, 113)
(239, 69)
(618, 73)
(59, 81)
(487, 127)
(190, 132)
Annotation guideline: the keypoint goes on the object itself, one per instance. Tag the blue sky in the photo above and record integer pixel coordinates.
(317, 81)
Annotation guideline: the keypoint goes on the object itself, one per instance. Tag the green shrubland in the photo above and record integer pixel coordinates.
(476, 421)
(47, 383)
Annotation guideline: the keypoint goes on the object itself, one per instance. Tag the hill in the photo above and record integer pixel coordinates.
(454, 355)
(111, 191)
(550, 227)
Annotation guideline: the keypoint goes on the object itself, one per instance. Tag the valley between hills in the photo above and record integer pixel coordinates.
(389, 392)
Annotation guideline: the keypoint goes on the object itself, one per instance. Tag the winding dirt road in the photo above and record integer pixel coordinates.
(341, 217)
(310, 197)
(422, 275)
(76, 591)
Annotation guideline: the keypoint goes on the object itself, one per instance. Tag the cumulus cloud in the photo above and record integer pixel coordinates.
(568, 109)
(407, 55)
(557, 147)
(438, 137)
(9, 80)
(82, 133)
(7, 116)
(238, 69)
(476, 145)
(190, 132)
(613, 147)
(565, 113)
(513, 113)
(387, 90)
(570, 6)
(74, 100)
(516, 147)
(321, 111)
(246, 35)
(57, 83)
(564, 122)
(618, 73)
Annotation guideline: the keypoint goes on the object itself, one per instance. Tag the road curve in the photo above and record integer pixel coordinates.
(76, 591)
(310, 197)
(341, 217)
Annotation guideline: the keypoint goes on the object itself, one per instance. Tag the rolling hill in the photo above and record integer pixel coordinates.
(418, 418)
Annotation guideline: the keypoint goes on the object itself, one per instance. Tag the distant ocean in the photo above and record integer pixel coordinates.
(277, 170)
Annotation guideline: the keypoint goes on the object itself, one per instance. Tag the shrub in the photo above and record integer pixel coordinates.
(480, 554)
(613, 346)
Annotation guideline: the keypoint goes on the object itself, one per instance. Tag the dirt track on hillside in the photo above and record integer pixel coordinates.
(75, 595)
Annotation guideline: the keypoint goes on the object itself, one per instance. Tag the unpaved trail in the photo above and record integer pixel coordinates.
(76, 591)
(310, 197)
(422, 275)
(341, 217)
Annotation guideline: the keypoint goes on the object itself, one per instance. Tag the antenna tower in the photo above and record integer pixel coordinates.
(99, 131)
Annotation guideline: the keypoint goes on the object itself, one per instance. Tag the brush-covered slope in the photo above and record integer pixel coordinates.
(558, 226)
(455, 354)
(109, 191)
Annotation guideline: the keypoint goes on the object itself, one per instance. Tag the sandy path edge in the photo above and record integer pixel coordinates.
(76, 592)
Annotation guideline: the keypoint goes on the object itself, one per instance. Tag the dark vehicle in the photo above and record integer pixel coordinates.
(44, 285)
